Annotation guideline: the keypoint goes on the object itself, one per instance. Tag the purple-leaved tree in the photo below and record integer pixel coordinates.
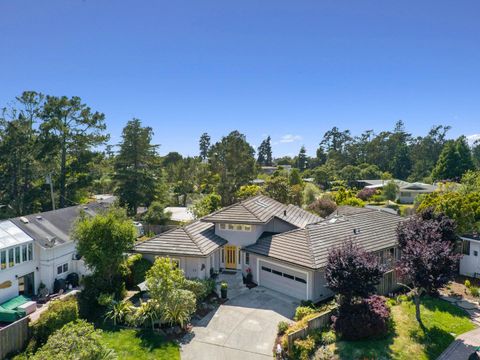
(428, 259)
(351, 272)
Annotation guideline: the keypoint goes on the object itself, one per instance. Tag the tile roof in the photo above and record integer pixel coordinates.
(309, 247)
(261, 209)
(195, 239)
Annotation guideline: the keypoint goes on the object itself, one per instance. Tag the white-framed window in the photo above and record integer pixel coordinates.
(24, 253)
(61, 269)
(236, 227)
(30, 252)
(247, 258)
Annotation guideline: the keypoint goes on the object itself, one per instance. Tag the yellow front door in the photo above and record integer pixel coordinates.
(230, 257)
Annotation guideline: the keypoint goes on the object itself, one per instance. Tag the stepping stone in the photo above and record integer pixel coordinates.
(467, 305)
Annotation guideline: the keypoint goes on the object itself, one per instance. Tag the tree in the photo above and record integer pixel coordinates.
(390, 190)
(136, 167)
(208, 204)
(265, 153)
(20, 166)
(247, 191)
(68, 132)
(455, 159)
(204, 145)
(322, 207)
(294, 177)
(352, 272)
(232, 158)
(310, 193)
(476, 153)
(277, 188)
(75, 341)
(102, 241)
(302, 159)
(350, 174)
(428, 260)
(156, 214)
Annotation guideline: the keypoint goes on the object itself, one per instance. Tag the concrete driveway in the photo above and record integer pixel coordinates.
(243, 328)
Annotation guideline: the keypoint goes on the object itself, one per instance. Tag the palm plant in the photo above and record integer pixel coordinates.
(179, 307)
(147, 312)
(119, 312)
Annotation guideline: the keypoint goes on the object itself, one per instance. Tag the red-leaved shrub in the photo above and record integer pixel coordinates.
(366, 194)
(366, 319)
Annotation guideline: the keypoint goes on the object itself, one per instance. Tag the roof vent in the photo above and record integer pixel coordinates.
(24, 220)
(284, 212)
(39, 217)
(356, 231)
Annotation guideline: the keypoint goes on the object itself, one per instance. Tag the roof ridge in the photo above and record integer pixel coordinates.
(250, 211)
(310, 248)
(193, 240)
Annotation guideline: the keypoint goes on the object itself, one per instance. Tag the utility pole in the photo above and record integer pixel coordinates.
(49, 180)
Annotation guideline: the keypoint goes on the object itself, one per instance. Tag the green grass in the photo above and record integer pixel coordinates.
(131, 344)
(442, 320)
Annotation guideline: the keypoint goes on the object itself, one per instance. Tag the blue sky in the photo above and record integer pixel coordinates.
(290, 69)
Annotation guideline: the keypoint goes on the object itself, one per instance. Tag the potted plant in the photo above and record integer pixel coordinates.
(249, 275)
(223, 289)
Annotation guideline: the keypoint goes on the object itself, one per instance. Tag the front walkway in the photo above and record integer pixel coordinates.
(243, 328)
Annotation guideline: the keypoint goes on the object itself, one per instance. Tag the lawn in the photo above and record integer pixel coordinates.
(131, 344)
(443, 321)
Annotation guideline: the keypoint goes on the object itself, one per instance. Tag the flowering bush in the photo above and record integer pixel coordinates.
(366, 194)
(368, 318)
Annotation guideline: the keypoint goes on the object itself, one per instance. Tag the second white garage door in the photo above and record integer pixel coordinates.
(284, 280)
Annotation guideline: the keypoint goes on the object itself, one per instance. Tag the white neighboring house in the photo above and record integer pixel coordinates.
(407, 192)
(470, 262)
(38, 249)
(283, 246)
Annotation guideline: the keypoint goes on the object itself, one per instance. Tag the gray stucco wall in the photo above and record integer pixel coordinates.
(320, 290)
(278, 226)
(240, 238)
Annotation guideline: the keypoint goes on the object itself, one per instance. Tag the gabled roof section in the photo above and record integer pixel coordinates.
(52, 228)
(309, 247)
(195, 239)
(261, 209)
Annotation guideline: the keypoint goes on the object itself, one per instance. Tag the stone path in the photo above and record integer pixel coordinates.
(471, 307)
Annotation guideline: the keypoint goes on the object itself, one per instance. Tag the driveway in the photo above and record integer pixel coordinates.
(243, 328)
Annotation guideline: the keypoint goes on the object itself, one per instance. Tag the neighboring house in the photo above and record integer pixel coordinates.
(470, 262)
(180, 214)
(38, 249)
(407, 192)
(284, 246)
(269, 170)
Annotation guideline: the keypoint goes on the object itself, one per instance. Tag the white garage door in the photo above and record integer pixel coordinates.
(283, 280)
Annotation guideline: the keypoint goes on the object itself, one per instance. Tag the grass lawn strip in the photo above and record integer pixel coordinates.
(443, 321)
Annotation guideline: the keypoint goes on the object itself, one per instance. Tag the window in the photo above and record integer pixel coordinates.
(231, 227)
(17, 255)
(24, 253)
(247, 258)
(289, 276)
(236, 227)
(62, 269)
(10, 258)
(223, 226)
(223, 255)
(3, 260)
(239, 227)
(239, 256)
(30, 252)
(475, 253)
(276, 272)
(303, 281)
(465, 247)
(266, 269)
(247, 227)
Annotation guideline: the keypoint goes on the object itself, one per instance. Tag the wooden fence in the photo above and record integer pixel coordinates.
(14, 337)
(318, 322)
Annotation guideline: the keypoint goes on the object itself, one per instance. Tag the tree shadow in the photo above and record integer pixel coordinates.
(151, 340)
(368, 349)
(434, 340)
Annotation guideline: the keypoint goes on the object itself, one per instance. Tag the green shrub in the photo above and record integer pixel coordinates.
(137, 267)
(307, 303)
(197, 287)
(302, 311)
(467, 283)
(303, 348)
(475, 291)
(76, 340)
(59, 313)
(328, 337)
(324, 353)
(282, 327)
(210, 285)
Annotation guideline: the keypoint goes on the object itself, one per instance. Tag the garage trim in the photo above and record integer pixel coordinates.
(286, 267)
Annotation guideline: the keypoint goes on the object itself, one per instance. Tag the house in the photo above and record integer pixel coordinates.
(407, 192)
(38, 249)
(283, 246)
(470, 261)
